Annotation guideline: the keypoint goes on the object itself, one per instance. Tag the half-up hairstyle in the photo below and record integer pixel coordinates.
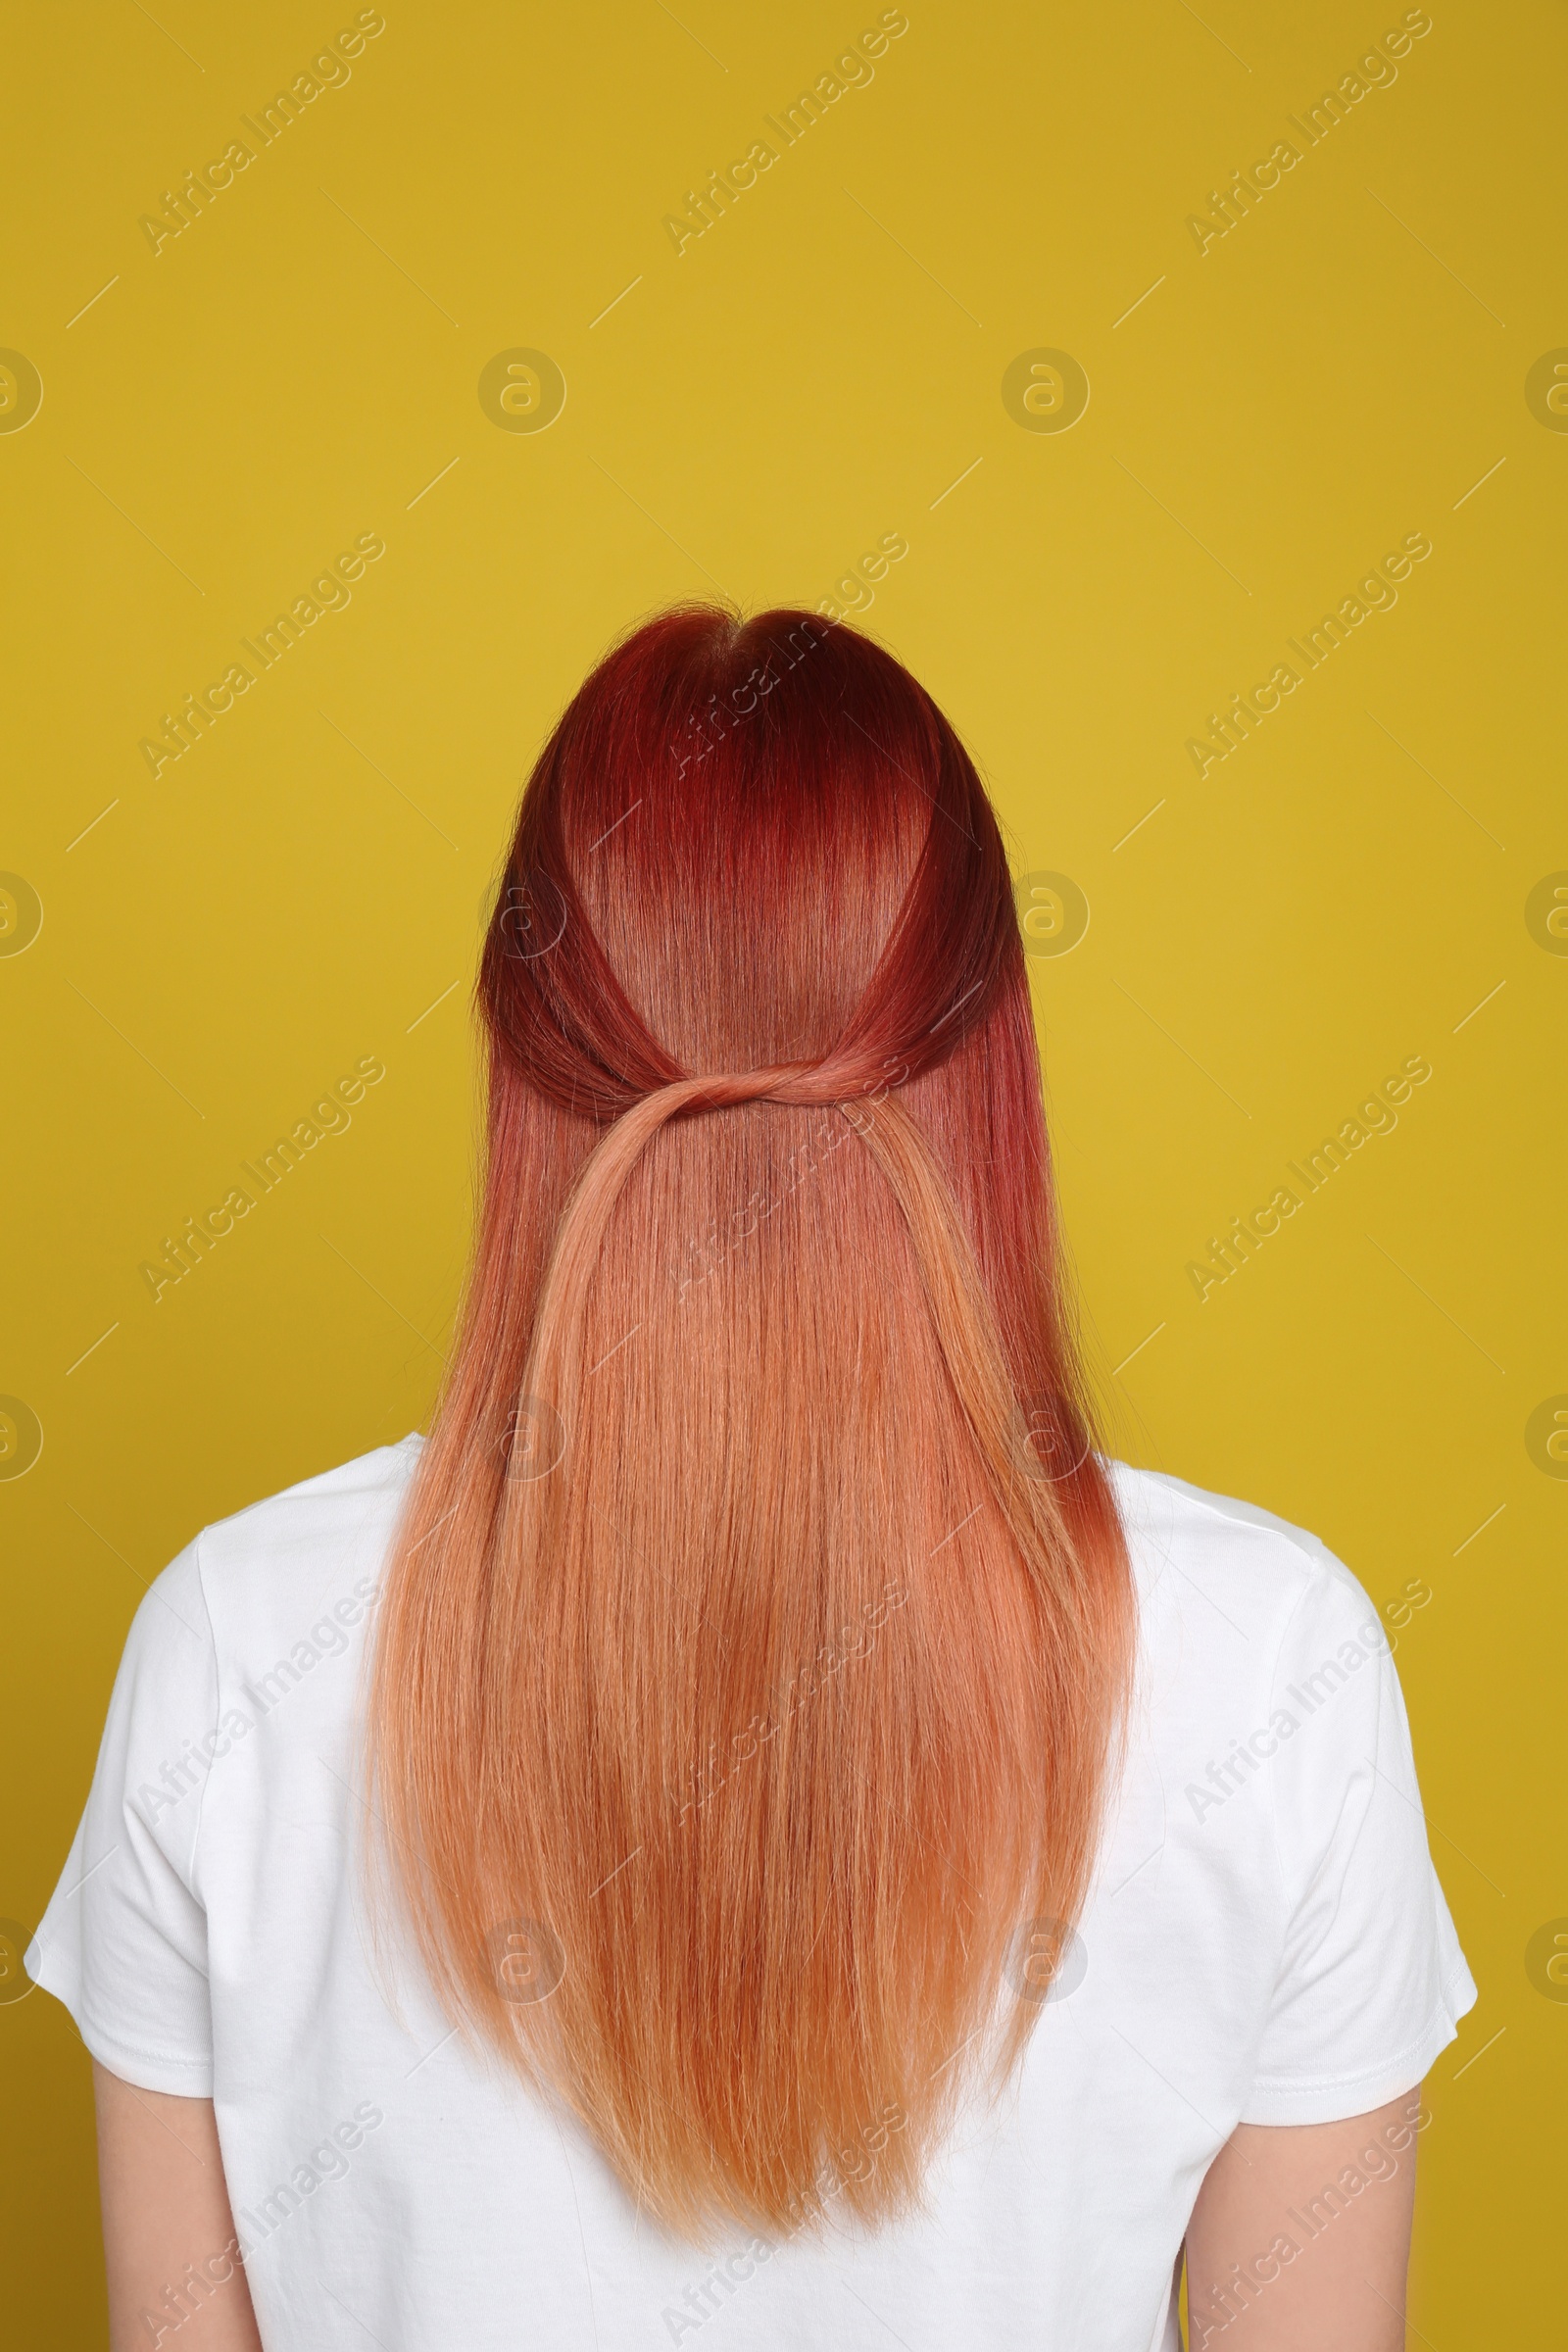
(755, 1640)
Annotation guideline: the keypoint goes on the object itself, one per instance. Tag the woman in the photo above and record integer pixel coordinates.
(818, 1854)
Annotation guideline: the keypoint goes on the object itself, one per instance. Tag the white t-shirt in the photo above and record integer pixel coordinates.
(1265, 1941)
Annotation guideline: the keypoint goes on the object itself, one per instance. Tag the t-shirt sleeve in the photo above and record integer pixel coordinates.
(1371, 1981)
(124, 1942)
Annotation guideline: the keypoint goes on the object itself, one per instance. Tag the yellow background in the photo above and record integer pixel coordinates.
(303, 887)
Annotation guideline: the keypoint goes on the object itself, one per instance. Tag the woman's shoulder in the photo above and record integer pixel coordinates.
(337, 1518)
(298, 1570)
(1213, 1565)
(324, 1500)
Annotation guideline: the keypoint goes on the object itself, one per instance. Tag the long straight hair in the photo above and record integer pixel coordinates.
(756, 1640)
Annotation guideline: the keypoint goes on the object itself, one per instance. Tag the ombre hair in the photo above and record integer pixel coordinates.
(755, 1646)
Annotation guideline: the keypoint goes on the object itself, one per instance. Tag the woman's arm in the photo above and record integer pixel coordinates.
(1301, 2235)
(174, 2272)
